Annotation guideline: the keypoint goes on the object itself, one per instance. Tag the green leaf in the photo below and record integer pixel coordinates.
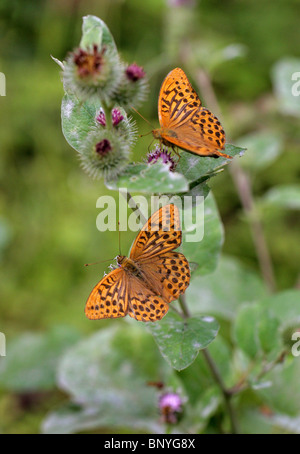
(263, 149)
(180, 341)
(286, 423)
(197, 378)
(256, 332)
(245, 329)
(283, 395)
(149, 179)
(268, 332)
(31, 361)
(284, 196)
(286, 77)
(95, 31)
(78, 118)
(285, 307)
(200, 190)
(197, 168)
(70, 418)
(111, 368)
(204, 250)
(222, 292)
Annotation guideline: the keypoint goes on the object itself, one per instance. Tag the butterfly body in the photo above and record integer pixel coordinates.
(184, 122)
(144, 283)
(129, 266)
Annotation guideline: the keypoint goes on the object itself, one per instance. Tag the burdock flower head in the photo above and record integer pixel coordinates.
(92, 71)
(133, 86)
(170, 406)
(161, 154)
(104, 154)
(89, 64)
(134, 72)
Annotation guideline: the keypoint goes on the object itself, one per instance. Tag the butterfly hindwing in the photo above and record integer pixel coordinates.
(144, 304)
(168, 274)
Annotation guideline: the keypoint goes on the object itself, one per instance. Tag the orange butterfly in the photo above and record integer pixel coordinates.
(144, 284)
(184, 122)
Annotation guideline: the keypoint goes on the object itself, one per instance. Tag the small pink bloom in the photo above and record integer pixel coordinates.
(116, 116)
(164, 155)
(170, 405)
(135, 72)
(101, 119)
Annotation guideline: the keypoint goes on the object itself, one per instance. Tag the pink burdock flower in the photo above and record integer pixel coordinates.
(103, 147)
(170, 405)
(135, 72)
(101, 119)
(116, 116)
(164, 155)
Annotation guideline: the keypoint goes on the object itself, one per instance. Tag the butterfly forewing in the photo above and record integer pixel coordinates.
(177, 99)
(160, 234)
(109, 298)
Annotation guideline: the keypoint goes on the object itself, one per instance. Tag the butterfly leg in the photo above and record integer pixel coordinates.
(175, 150)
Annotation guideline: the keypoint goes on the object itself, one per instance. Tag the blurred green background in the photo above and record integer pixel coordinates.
(48, 205)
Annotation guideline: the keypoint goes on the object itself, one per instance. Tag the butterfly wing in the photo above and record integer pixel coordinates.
(184, 122)
(160, 234)
(168, 274)
(109, 298)
(144, 304)
(163, 270)
(177, 99)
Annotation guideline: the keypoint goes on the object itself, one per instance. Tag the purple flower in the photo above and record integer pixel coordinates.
(170, 404)
(103, 147)
(164, 155)
(135, 72)
(116, 116)
(101, 119)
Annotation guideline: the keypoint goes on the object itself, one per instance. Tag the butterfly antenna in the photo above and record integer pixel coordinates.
(96, 263)
(143, 119)
(119, 238)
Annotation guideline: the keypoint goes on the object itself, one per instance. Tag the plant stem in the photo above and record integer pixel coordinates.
(215, 373)
(244, 189)
(183, 305)
(226, 395)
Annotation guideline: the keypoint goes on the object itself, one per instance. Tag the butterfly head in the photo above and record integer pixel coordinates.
(161, 135)
(121, 259)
